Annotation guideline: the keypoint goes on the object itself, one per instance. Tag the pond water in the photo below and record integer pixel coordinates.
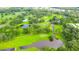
(45, 43)
(9, 49)
(25, 26)
(51, 44)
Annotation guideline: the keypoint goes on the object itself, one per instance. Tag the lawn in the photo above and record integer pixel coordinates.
(23, 40)
(58, 31)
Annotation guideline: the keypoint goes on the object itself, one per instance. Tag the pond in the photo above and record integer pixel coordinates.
(9, 49)
(52, 44)
(45, 43)
(25, 26)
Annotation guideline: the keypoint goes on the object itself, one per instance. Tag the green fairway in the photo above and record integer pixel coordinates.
(58, 31)
(23, 40)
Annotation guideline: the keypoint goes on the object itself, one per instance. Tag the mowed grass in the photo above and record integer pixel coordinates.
(58, 31)
(23, 40)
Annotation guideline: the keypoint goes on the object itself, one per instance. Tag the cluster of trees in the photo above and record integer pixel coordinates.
(11, 22)
(71, 36)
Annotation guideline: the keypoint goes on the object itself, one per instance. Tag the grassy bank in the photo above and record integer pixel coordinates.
(23, 40)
